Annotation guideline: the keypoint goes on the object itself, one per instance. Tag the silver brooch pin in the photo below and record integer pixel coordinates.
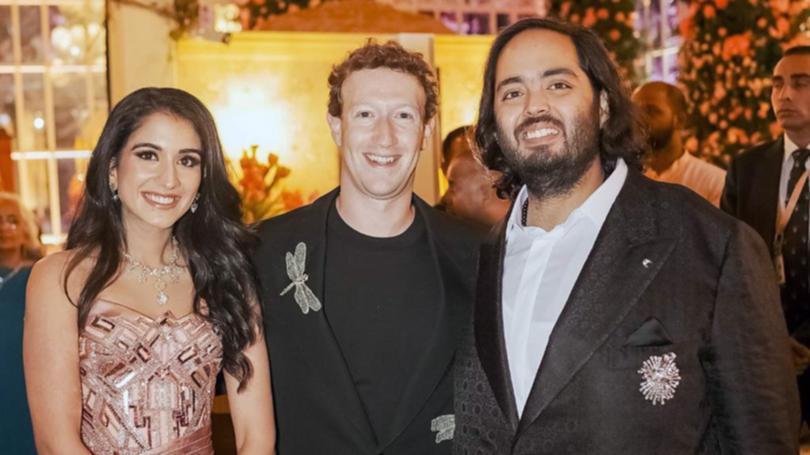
(660, 377)
(296, 265)
(646, 263)
(444, 426)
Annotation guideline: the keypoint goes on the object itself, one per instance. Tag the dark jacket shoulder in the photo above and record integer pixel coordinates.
(681, 206)
(755, 154)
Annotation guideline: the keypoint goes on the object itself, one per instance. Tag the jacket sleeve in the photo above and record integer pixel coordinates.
(728, 200)
(752, 383)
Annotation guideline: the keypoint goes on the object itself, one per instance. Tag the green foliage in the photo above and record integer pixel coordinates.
(613, 21)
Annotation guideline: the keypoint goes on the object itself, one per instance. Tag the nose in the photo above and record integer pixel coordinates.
(8, 225)
(782, 93)
(537, 103)
(168, 175)
(385, 133)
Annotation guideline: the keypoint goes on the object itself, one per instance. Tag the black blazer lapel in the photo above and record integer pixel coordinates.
(489, 338)
(314, 329)
(764, 191)
(435, 363)
(629, 251)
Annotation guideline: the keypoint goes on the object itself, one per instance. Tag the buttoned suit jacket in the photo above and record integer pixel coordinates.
(751, 193)
(668, 273)
(318, 409)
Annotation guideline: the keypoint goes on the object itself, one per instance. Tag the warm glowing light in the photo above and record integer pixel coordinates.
(252, 113)
(226, 18)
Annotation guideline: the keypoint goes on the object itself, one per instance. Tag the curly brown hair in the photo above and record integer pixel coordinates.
(390, 55)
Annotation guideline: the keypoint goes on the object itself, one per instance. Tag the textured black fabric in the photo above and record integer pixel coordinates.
(752, 195)
(796, 289)
(387, 287)
(318, 408)
(722, 321)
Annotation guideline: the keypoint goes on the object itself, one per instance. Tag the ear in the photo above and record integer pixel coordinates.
(334, 127)
(604, 108)
(114, 172)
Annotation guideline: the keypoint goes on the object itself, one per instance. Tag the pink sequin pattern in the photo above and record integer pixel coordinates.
(147, 384)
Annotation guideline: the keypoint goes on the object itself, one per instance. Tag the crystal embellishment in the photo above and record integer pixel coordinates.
(660, 378)
(163, 275)
(444, 426)
(296, 265)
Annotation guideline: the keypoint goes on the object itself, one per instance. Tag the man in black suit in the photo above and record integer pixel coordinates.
(365, 290)
(759, 186)
(614, 314)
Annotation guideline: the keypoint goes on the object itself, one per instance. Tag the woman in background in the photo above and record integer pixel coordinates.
(19, 247)
(126, 330)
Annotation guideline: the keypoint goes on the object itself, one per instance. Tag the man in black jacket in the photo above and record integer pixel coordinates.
(365, 290)
(759, 186)
(614, 314)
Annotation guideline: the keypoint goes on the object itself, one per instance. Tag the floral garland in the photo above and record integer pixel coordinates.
(613, 21)
(727, 58)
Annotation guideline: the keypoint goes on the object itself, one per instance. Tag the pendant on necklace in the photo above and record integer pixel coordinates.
(162, 298)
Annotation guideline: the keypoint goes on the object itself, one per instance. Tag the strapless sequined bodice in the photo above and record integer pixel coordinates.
(147, 384)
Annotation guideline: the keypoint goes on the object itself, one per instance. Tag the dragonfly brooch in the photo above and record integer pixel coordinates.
(296, 264)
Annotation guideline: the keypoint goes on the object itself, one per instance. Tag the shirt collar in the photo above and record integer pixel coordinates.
(790, 147)
(595, 207)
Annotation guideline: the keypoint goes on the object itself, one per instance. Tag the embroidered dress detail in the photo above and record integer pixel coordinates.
(147, 384)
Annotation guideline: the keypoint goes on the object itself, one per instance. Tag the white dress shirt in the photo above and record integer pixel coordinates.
(787, 165)
(540, 269)
(703, 178)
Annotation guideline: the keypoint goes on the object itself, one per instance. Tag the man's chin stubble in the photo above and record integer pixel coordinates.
(555, 175)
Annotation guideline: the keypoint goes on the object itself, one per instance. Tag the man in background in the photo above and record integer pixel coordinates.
(765, 188)
(471, 191)
(663, 109)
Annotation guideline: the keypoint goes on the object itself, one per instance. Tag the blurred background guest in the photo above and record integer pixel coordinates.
(471, 193)
(19, 247)
(663, 107)
(453, 143)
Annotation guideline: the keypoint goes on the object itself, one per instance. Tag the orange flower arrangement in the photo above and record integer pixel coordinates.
(260, 186)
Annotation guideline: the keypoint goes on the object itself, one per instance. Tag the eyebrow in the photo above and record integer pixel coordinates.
(792, 77)
(547, 73)
(157, 147)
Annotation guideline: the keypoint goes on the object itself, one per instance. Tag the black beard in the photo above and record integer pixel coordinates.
(658, 139)
(548, 174)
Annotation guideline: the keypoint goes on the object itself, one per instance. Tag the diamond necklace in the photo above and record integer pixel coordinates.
(163, 275)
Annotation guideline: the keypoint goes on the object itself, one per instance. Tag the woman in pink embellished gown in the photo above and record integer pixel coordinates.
(126, 330)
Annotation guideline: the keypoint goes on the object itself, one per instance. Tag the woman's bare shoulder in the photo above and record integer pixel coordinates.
(48, 274)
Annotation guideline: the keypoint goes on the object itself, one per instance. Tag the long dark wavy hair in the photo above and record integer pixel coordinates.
(213, 240)
(617, 138)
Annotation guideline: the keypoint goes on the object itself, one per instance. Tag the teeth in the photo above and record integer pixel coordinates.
(159, 199)
(381, 159)
(542, 132)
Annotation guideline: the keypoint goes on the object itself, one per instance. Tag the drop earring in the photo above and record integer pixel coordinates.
(195, 203)
(114, 190)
